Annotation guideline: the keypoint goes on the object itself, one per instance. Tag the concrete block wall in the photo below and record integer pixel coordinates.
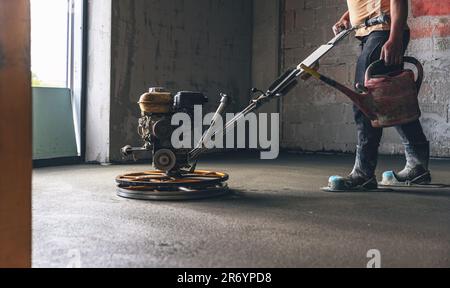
(430, 32)
(317, 118)
(199, 45)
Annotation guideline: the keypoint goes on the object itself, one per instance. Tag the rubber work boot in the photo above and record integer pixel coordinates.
(416, 170)
(352, 182)
(358, 180)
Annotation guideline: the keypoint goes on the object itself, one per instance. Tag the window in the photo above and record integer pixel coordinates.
(57, 75)
(49, 43)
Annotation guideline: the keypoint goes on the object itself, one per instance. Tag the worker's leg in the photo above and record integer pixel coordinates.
(367, 149)
(363, 174)
(417, 147)
(417, 151)
(368, 137)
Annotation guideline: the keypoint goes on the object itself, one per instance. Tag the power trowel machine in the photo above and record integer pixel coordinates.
(176, 177)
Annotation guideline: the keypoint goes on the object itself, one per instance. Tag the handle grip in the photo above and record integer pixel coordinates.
(406, 59)
(382, 19)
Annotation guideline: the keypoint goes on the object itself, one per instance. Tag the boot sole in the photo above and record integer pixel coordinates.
(329, 190)
(409, 185)
(422, 181)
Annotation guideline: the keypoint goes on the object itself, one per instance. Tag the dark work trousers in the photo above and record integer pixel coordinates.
(368, 137)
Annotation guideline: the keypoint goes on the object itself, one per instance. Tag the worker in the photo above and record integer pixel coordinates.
(387, 42)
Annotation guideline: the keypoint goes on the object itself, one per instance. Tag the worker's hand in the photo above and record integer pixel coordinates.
(342, 24)
(392, 52)
(306, 76)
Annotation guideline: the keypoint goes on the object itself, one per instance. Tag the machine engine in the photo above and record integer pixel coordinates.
(157, 108)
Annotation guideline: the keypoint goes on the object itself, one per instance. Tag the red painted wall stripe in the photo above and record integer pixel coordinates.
(440, 30)
(430, 7)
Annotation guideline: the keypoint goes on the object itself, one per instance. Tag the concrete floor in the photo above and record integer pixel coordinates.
(277, 217)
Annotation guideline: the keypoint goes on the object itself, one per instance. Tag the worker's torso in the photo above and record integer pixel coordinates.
(360, 10)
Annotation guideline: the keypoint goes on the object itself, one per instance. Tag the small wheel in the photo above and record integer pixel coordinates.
(164, 160)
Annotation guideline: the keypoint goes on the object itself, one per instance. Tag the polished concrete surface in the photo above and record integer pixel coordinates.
(276, 217)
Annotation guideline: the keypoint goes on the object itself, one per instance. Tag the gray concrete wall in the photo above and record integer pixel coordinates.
(202, 45)
(317, 118)
(266, 50)
(266, 47)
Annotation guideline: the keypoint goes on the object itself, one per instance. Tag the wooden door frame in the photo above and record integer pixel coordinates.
(15, 134)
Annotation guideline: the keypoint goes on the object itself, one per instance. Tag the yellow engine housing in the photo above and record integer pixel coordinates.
(156, 101)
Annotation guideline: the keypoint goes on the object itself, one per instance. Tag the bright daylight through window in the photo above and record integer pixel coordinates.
(49, 43)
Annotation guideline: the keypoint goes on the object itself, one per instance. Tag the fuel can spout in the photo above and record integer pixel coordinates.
(363, 102)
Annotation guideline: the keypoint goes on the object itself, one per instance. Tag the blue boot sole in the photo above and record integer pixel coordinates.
(337, 184)
(390, 180)
(329, 190)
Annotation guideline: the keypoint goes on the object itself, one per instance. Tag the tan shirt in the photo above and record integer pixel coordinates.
(360, 10)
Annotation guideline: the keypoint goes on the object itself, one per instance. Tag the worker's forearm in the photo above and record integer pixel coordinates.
(399, 18)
